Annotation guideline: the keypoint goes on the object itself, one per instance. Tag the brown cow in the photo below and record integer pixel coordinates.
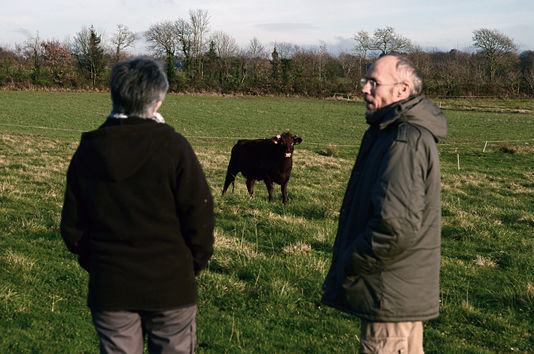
(269, 160)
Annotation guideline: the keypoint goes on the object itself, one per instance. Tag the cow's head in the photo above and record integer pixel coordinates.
(287, 141)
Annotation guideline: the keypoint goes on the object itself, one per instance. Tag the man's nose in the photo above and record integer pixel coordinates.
(366, 88)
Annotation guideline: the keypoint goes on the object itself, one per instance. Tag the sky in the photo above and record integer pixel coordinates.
(433, 25)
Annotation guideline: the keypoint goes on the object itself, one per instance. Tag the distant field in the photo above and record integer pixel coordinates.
(262, 288)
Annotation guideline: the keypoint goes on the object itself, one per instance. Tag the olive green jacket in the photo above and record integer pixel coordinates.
(386, 257)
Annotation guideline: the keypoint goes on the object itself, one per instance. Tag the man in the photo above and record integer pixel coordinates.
(139, 214)
(386, 257)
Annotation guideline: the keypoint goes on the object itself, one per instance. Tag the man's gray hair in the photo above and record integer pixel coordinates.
(408, 72)
(137, 86)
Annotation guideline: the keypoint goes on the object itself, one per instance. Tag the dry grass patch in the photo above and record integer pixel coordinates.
(530, 290)
(287, 219)
(222, 284)
(455, 183)
(212, 161)
(520, 149)
(324, 235)
(34, 156)
(310, 159)
(19, 262)
(519, 188)
(297, 248)
(11, 300)
(527, 219)
(485, 262)
(223, 241)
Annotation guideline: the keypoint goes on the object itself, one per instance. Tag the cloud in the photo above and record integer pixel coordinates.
(23, 31)
(285, 27)
(341, 44)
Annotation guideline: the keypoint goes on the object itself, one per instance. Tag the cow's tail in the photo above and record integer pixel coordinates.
(231, 172)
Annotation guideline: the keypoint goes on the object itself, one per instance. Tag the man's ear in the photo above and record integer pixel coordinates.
(403, 91)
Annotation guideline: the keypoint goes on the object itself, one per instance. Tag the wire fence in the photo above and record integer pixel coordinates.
(483, 143)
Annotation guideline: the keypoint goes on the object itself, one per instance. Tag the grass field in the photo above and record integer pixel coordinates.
(262, 288)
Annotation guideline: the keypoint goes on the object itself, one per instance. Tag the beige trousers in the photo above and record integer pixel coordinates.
(391, 337)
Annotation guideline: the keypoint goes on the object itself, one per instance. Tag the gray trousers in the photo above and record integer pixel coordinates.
(171, 331)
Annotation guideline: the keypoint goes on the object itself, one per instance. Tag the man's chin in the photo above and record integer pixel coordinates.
(370, 107)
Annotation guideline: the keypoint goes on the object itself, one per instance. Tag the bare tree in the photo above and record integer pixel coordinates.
(8, 59)
(256, 50)
(286, 50)
(386, 41)
(364, 44)
(33, 52)
(80, 43)
(225, 45)
(257, 64)
(494, 46)
(187, 37)
(351, 70)
(421, 61)
(122, 39)
(323, 57)
(225, 48)
(199, 22)
(164, 40)
(184, 33)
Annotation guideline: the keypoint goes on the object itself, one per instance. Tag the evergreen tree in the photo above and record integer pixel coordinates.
(90, 54)
(275, 63)
(171, 69)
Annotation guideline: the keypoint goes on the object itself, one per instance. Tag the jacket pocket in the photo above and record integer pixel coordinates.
(360, 295)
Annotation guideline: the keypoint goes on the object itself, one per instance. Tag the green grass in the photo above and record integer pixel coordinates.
(262, 288)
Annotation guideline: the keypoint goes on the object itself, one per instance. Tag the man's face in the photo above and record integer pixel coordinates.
(388, 86)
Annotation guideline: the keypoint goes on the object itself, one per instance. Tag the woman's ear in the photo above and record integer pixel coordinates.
(158, 105)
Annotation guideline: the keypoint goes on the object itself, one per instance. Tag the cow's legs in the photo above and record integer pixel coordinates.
(231, 172)
(250, 186)
(269, 185)
(229, 179)
(284, 192)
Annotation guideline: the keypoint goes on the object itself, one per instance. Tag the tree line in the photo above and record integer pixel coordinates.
(197, 59)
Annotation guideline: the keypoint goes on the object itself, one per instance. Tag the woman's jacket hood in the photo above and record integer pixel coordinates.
(115, 154)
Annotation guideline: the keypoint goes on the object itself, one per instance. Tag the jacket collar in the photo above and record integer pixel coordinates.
(415, 110)
(392, 113)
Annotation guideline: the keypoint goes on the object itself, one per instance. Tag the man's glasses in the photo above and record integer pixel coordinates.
(374, 84)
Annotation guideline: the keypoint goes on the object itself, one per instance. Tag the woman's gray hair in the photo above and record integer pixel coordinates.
(408, 72)
(137, 86)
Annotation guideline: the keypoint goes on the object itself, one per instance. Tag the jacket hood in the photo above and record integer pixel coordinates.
(416, 110)
(115, 152)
